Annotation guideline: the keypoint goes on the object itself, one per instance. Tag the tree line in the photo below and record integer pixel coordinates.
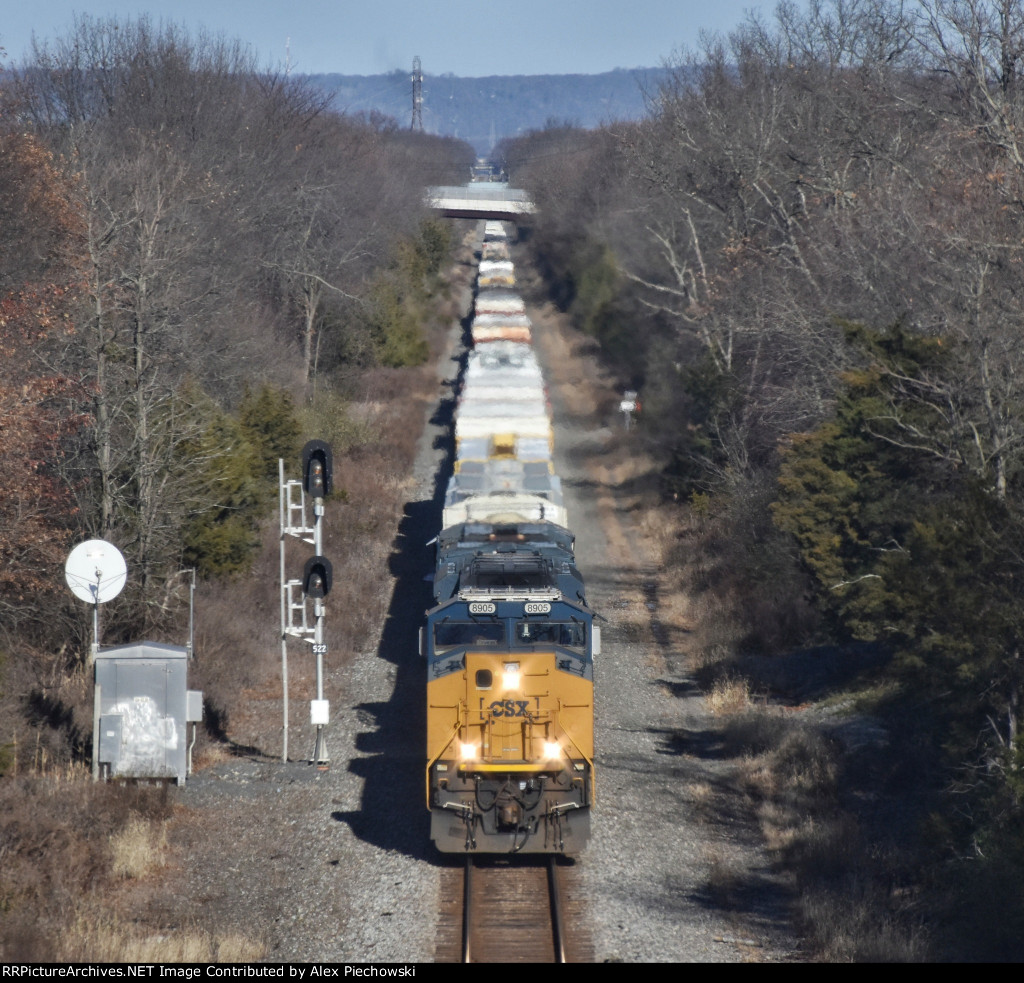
(195, 255)
(808, 258)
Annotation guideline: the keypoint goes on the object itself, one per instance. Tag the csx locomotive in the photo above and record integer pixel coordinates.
(510, 641)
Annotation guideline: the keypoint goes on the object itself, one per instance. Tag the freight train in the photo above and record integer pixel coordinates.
(510, 641)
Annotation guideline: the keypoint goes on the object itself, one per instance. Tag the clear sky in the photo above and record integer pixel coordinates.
(369, 37)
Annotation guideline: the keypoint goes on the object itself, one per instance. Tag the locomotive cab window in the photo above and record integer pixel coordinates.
(463, 634)
(567, 634)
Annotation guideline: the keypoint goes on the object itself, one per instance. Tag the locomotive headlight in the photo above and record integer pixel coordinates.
(551, 750)
(510, 677)
(467, 752)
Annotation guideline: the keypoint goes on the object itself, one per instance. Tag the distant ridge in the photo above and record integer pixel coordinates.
(484, 110)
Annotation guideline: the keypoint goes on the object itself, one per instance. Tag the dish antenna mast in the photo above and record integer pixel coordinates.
(95, 571)
(417, 95)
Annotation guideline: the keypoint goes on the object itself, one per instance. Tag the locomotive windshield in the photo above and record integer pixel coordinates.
(570, 635)
(459, 634)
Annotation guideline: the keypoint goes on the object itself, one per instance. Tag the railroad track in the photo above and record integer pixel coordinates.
(520, 910)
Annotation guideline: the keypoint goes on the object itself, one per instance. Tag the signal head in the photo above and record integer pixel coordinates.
(317, 576)
(317, 469)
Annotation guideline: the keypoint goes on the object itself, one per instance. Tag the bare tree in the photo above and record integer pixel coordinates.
(975, 47)
(151, 125)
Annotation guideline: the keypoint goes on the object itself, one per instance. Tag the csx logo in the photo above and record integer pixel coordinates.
(509, 708)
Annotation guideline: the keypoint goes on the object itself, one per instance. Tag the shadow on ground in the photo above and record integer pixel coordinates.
(393, 813)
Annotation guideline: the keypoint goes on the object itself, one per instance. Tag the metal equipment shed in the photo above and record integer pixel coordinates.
(142, 708)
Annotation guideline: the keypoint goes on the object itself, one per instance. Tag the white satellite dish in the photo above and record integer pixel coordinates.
(95, 571)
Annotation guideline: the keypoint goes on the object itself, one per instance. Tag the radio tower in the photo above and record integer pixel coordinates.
(417, 95)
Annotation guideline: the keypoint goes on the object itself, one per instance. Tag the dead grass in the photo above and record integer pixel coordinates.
(104, 939)
(866, 927)
(209, 754)
(845, 892)
(68, 845)
(728, 695)
(139, 849)
(788, 768)
(725, 881)
(45, 712)
(702, 799)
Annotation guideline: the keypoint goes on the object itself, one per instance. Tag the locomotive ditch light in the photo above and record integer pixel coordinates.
(317, 469)
(467, 752)
(551, 750)
(510, 677)
(317, 576)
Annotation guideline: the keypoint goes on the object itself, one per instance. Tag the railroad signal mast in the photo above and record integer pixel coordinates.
(315, 584)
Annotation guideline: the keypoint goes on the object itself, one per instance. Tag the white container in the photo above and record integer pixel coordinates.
(500, 407)
(496, 266)
(500, 332)
(497, 300)
(507, 391)
(514, 427)
(497, 318)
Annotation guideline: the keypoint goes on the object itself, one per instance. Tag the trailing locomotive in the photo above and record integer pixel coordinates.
(510, 641)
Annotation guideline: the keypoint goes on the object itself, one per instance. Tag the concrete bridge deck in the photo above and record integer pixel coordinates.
(486, 199)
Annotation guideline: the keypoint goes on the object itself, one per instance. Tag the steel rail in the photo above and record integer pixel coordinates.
(467, 922)
(557, 928)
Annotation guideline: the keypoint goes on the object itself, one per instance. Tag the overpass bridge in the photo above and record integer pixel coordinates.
(485, 199)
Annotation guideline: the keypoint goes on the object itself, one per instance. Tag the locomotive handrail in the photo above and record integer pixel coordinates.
(511, 593)
(447, 741)
(583, 754)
